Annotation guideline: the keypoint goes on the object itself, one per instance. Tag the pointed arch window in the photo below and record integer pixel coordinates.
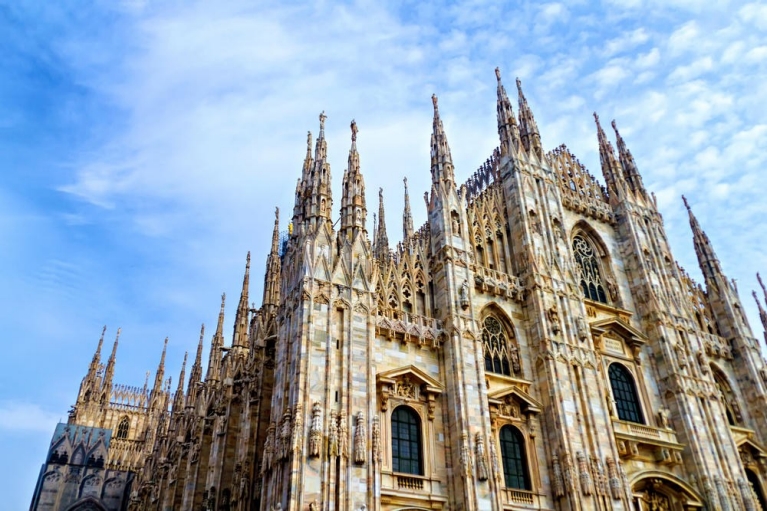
(500, 357)
(514, 459)
(625, 394)
(123, 428)
(587, 264)
(406, 451)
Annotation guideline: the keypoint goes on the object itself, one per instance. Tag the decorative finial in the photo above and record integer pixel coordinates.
(405, 181)
(354, 130)
(103, 331)
(615, 126)
(596, 118)
(686, 204)
(247, 260)
(322, 120)
(434, 101)
(498, 74)
(223, 301)
(759, 278)
(519, 87)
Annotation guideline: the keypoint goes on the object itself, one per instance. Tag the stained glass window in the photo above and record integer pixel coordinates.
(587, 266)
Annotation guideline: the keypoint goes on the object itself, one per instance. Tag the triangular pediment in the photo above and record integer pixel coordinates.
(620, 328)
(416, 375)
(531, 404)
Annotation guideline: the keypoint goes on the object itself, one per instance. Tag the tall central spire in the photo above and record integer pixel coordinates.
(353, 208)
(407, 216)
(508, 131)
(321, 195)
(630, 170)
(214, 360)
(441, 159)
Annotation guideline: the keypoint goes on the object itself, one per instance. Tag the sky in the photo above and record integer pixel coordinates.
(145, 145)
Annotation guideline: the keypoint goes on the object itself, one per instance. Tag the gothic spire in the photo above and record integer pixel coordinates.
(761, 284)
(110, 370)
(273, 265)
(508, 131)
(610, 167)
(353, 208)
(240, 337)
(630, 170)
(381, 241)
(407, 217)
(441, 159)
(299, 207)
(96, 361)
(709, 263)
(160, 374)
(214, 360)
(531, 138)
(321, 198)
(762, 312)
(195, 375)
(178, 398)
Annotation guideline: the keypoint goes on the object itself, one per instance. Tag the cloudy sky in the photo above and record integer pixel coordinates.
(145, 145)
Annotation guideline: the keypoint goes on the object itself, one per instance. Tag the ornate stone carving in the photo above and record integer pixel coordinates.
(360, 440)
(583, 473)
(553, 316)
(465, 455)
(333, 436)
(315, 433)
(343, 437)
(612, 474)
(405, 388)
(559, 482)
(376, 433)
(663, 418)
(582, 328)
(298, 430)
(482, 472)
(285, 431)
(464, 295)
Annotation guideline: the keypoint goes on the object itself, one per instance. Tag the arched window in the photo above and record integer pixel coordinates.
(625, 394)
(500, 357)
(731, 407)
(123, 428)
(406, 441)
(587, 266)
(514, 459)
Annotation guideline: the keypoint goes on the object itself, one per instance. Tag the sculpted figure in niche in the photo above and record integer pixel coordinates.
(663, 418)
(553, 317)
(405, 388)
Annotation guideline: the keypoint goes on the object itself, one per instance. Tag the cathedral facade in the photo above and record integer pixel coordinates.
(533, 346)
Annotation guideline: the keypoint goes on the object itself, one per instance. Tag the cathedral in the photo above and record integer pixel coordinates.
(533, 346)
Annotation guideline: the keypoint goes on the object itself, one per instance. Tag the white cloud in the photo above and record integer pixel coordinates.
(18, 416)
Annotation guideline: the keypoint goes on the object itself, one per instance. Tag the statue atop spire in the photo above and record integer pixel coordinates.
(353, 207)
(214, 359)
(381, 241)
(508, 131)
(240, 337)
(407, 217)
(610, 167)
(271, 297)
(630, 170)
(709, 263)
(528, 128)
(441, 159)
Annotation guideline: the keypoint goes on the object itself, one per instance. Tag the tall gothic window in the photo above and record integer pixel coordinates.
(123, 428)
(514, 459)
(587, 266)
(407, 456)
(500, 358)
(625, 394)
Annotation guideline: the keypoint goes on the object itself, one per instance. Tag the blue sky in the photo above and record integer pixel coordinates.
(145, 144)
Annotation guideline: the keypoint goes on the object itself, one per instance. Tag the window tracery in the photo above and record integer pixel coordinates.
(500, 356)
(123, 428)
(587, 265)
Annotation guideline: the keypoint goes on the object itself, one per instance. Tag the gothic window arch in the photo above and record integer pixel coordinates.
(514, 458)
(625, 394)
(589, 271)
(729, 399)
(501, 356)
(123, 428)
(406, 444)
